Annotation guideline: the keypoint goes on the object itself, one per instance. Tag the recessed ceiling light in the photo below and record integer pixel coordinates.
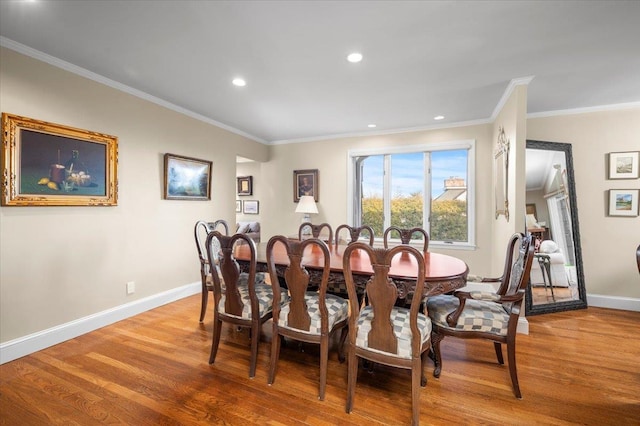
(439, 117)
(239, 82)
(371, 125)
(354, 57)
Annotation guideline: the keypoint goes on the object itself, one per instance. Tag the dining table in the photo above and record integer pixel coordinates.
(443, 273)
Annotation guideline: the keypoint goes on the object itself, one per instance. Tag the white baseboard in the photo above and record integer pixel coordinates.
(614, 302)
(31, 343)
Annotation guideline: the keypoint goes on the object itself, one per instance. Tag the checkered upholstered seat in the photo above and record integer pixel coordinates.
(337, 307)
(307, 316)
(478, 315)
(264, 294)
(486, 315)
(400, 319)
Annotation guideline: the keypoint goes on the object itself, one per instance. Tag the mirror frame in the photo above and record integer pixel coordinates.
(581, 303)
(501, 179)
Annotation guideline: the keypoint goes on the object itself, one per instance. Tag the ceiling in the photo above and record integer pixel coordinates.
(421, 59)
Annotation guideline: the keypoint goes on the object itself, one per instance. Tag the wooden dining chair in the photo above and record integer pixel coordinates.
(485, 315)
(201, 230)
(247, 300)
(307, 316)
(638, 257)
(406, 235)
(354, 233)
(315, 231)
(381, 332)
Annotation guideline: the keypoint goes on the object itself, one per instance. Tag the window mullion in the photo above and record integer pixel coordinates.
(386, 197)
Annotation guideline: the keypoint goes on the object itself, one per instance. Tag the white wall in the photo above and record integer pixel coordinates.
(58, 264)
(253, 169)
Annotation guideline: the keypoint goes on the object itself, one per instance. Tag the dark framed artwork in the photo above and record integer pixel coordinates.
(48, 164)
(245, 185)
(305, 182)
(186, 178)
(251, 207)
(238, 206)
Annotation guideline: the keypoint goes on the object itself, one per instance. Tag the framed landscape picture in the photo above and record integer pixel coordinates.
(48, 164)
(624, 165)
(623, 202)
(186, 178)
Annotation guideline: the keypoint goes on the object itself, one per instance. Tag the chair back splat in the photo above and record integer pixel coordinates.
(355, 232)
(307, 316)
(382, 332)
(405, 236)
(483, 315)
(315, 231)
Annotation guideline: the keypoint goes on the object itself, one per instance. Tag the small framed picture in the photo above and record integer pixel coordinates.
(238, 206)
(245, 185)
(623, 202)
(305, 182)
(624, 165)
(250, 207)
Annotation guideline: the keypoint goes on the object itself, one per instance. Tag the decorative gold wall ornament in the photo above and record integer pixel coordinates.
(501, 174)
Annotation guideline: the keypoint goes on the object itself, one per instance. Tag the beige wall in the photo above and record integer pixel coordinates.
(260, 186)
(58, 264)
(330, 158)
(608, 243)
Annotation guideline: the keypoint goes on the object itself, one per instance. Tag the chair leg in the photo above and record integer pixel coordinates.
(498, 347)
(324, 360)
(423, 363)
(343, 337)
(437, 358)
(255, 339)
(511, 353)
(416, 373)
(205, 299)
(352, 377)
(276, 340)
(217, 329)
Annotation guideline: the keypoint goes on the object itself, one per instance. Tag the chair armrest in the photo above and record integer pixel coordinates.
(479, 279)
(452, 318)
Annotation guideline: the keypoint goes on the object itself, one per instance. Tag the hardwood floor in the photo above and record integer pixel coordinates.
(579, 367)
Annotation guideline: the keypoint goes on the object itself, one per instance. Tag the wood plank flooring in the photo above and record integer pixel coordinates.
(579, 367)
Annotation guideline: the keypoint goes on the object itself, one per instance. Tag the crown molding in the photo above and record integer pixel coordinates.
(599, 108)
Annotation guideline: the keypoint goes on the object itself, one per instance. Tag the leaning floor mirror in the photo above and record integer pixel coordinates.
(557, 278)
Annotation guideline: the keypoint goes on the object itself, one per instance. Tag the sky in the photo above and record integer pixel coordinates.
(407, 171)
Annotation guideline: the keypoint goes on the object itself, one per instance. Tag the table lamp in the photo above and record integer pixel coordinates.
(306, 205)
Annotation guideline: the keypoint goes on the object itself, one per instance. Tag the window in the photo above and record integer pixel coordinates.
(388, 187)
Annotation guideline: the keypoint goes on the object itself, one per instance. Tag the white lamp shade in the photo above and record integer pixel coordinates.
(307, 205)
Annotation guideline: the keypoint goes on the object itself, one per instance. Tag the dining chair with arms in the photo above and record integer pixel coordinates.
(638, 257)
(405, 235)
(381, 332)
(315, 231)
(247, 301)
(486, 315)
(354, 233)
(306, 316)
(201, 230)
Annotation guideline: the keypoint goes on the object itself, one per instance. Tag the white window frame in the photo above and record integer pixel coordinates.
(469, 145)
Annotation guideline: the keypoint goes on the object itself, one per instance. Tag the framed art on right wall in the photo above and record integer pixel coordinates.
(624, 165)
(623, 202)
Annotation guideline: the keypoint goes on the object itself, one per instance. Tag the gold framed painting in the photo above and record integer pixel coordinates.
(48, 164)
(186, 178)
